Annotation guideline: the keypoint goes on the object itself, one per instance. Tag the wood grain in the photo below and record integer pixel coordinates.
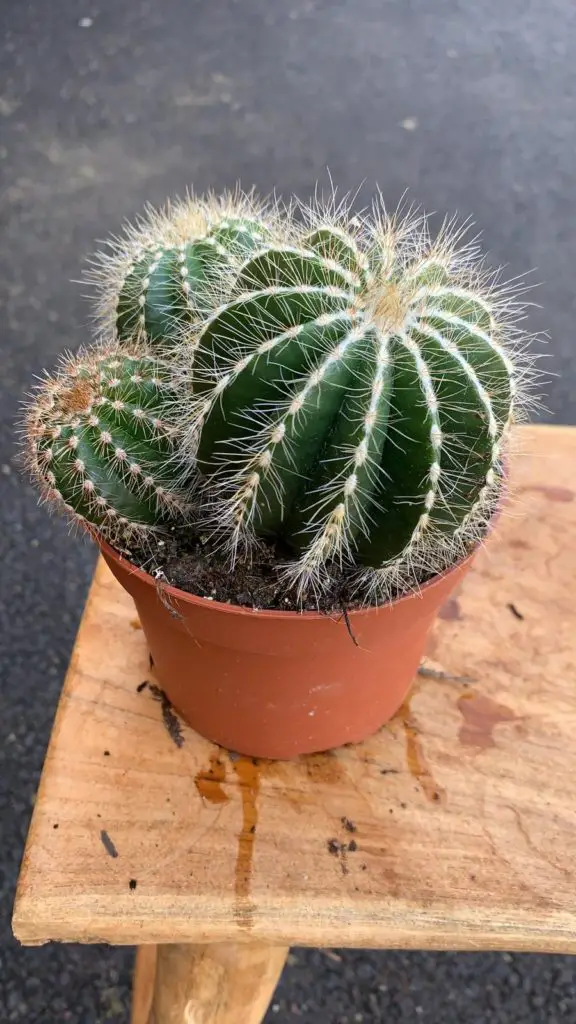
(463, 807)
(223, 983)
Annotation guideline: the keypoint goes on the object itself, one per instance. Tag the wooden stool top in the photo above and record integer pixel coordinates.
(453, 828)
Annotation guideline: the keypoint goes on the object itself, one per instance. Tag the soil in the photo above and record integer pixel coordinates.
(185, 560)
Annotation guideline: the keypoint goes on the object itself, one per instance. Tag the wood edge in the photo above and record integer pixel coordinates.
(36, 924)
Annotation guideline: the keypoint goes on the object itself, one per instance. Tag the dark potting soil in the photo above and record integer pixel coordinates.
(185, 560)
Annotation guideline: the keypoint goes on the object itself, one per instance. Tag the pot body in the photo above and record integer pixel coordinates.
(279, 684)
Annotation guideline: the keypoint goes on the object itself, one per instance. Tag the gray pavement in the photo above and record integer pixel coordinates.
(104, 105)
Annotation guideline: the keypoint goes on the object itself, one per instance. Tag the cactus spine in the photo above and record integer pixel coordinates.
(164, 275)
(99, 446)
(353, 397)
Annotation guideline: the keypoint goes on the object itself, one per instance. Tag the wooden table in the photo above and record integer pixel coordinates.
(452, 828)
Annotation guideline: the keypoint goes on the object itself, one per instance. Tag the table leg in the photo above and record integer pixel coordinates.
(143, 984)
(224, 983)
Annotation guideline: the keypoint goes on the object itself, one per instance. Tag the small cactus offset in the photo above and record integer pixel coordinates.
(353, 399)
(99, 445)
(169, 270)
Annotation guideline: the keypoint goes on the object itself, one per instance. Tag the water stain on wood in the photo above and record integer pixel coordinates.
(481, 715)
(323, 767)
(209, 781)
(450, 610)
(247, 771)
(563, 494)
(415, 758)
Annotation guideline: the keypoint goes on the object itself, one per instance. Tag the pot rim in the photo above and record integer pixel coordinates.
(234, 609)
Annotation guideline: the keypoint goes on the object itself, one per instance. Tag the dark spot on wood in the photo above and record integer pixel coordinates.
(108, 844)
(135, 623)
(517, 614)
(364, 867)
(252, 829)
(338, 849)
(389, 771)
(150, 660)
(106, 753)
(481, 715)
(348, 825)
(450, 610)
(352, 846)
(55, 826)
(133, 883)
(517, 542)
(403, 806)
(472, 878)
(142, 686)
(170, 719)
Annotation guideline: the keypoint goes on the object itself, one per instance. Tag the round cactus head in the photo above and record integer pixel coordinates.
(353, 398)
(99, 445)
(175, 265)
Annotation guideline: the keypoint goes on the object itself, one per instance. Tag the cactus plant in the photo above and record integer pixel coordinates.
(353, 398)
(160, 276)
(342, 388)
(99, 446)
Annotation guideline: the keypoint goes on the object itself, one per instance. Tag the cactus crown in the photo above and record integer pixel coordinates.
(344, 386)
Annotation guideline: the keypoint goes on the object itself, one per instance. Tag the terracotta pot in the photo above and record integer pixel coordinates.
(278, 684)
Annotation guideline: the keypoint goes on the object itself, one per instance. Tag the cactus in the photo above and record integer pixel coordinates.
(340, 388)
(161, 276)
(99, 446)
(353, 398)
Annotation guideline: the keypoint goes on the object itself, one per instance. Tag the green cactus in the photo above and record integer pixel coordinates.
(169, 271)
(343, 389)
(99, 446)
(353, 398)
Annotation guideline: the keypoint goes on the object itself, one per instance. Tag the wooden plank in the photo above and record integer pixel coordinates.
(463, 807)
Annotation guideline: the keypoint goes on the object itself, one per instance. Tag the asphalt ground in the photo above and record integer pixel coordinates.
(105, 105)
